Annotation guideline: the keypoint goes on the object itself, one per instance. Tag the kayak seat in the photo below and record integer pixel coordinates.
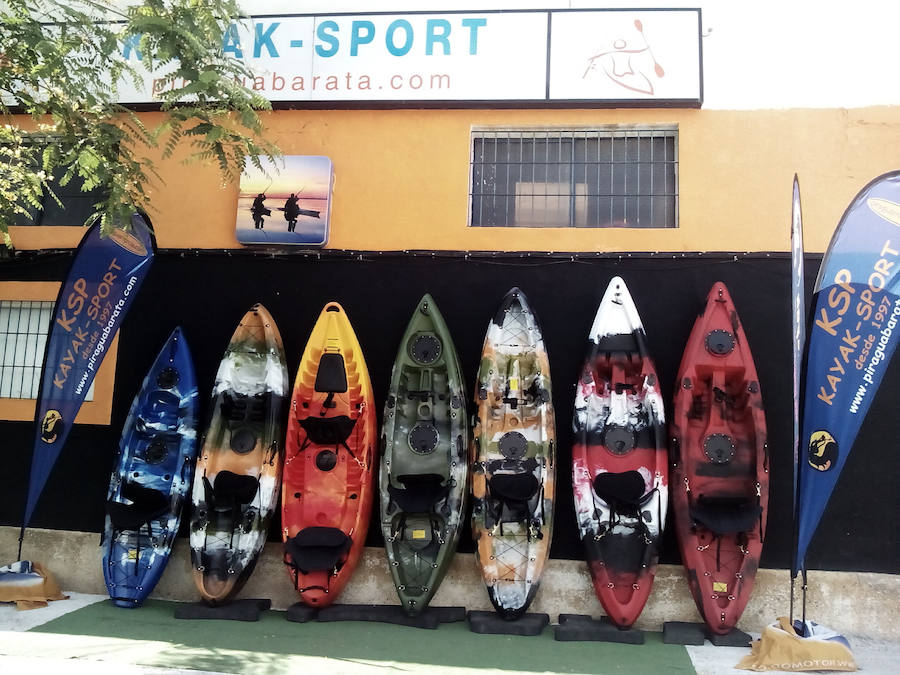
(331, 375)
(514, 487)
(513, 493)
(420, 492)
(623, 491)
(317, 548)
(146, 505)
(328, 430)
(230, 490)
(726, 515)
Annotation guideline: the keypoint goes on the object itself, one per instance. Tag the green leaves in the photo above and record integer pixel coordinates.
(60, 66)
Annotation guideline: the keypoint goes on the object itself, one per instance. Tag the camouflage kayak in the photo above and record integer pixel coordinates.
(619, 458)
(425, 464)
(239, 466)
(152, 477)
(513, 458)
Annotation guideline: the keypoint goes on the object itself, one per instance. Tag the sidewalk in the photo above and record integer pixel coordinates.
(86, 634)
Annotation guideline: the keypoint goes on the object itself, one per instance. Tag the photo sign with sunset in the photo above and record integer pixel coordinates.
(287, 204)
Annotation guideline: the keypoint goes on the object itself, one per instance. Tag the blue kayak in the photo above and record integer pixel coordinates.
(153, 474)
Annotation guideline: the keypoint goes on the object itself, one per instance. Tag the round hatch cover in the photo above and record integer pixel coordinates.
(243, 441)
(326, 460)
(425, 348)
(618, 439)
(513, 445)
(156, 451)
(423, 438)
(719, 448)
(720, 342)
(167, 379)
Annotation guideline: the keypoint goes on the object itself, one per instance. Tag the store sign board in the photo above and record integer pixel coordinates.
(640, 55)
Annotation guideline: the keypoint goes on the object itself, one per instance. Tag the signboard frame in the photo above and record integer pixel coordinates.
(609, 65)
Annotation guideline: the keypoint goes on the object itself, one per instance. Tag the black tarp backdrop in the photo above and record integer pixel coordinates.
(207, 294)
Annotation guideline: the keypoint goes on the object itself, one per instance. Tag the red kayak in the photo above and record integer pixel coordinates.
(619, 459)
(326, 497)
(720, 467)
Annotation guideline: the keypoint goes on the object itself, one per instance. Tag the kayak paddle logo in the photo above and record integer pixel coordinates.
(885, 208)
(627, 61)
(823, 450)
(51, 426)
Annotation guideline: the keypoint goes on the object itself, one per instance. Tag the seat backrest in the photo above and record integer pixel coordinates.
(623, 491)
(328, 430)
(514, 487)
(331, 375)
(147, 504)
(420, 492)
(317, 548)
(231, 488)
(726, 514)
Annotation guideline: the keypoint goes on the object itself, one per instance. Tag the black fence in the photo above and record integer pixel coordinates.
(207, 293)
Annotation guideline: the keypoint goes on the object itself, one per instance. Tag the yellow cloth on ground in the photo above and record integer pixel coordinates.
(780, 648)
(28, 585)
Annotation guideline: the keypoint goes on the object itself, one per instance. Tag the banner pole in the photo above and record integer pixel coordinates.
(798, 340)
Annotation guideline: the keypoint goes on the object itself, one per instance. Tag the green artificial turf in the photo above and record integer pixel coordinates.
(275, 645)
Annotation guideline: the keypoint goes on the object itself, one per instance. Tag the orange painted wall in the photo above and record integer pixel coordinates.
(401, 179)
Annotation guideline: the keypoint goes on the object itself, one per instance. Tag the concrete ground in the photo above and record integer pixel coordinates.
(86, 634)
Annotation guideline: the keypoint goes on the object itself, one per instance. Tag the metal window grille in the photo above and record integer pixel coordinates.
(609, 177)
(24, 325)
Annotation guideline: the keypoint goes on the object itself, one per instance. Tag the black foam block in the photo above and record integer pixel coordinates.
(734, 638)
(430, 617)
(683, 633)
(247, 609)
(301, 613)
(493, 624)
(578, 627)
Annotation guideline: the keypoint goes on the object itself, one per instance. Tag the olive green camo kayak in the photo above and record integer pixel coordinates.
(513, 458)
(424, 467)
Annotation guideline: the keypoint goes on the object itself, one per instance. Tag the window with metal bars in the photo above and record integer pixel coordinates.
(602, 177)
(24, 325)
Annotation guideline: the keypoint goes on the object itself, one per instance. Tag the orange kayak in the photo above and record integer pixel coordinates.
(327, 489)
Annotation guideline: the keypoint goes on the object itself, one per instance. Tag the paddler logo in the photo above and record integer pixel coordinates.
(823, 450)
(885, 208)
(128, 241)
(51, 426)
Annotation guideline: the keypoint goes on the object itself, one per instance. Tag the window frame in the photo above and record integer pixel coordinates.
(601, 130)
(37, 237)
(98, 411)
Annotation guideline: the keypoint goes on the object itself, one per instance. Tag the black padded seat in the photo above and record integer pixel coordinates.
(726, 515)
(420, 492)
(514, 487)
(317, 548)
(147, 504)
(328, 430)
(331, 375)
(230, 489)
(512, 495)
(623, 491)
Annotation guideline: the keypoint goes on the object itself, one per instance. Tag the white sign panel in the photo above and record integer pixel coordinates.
(463, 56)
(636, 55)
